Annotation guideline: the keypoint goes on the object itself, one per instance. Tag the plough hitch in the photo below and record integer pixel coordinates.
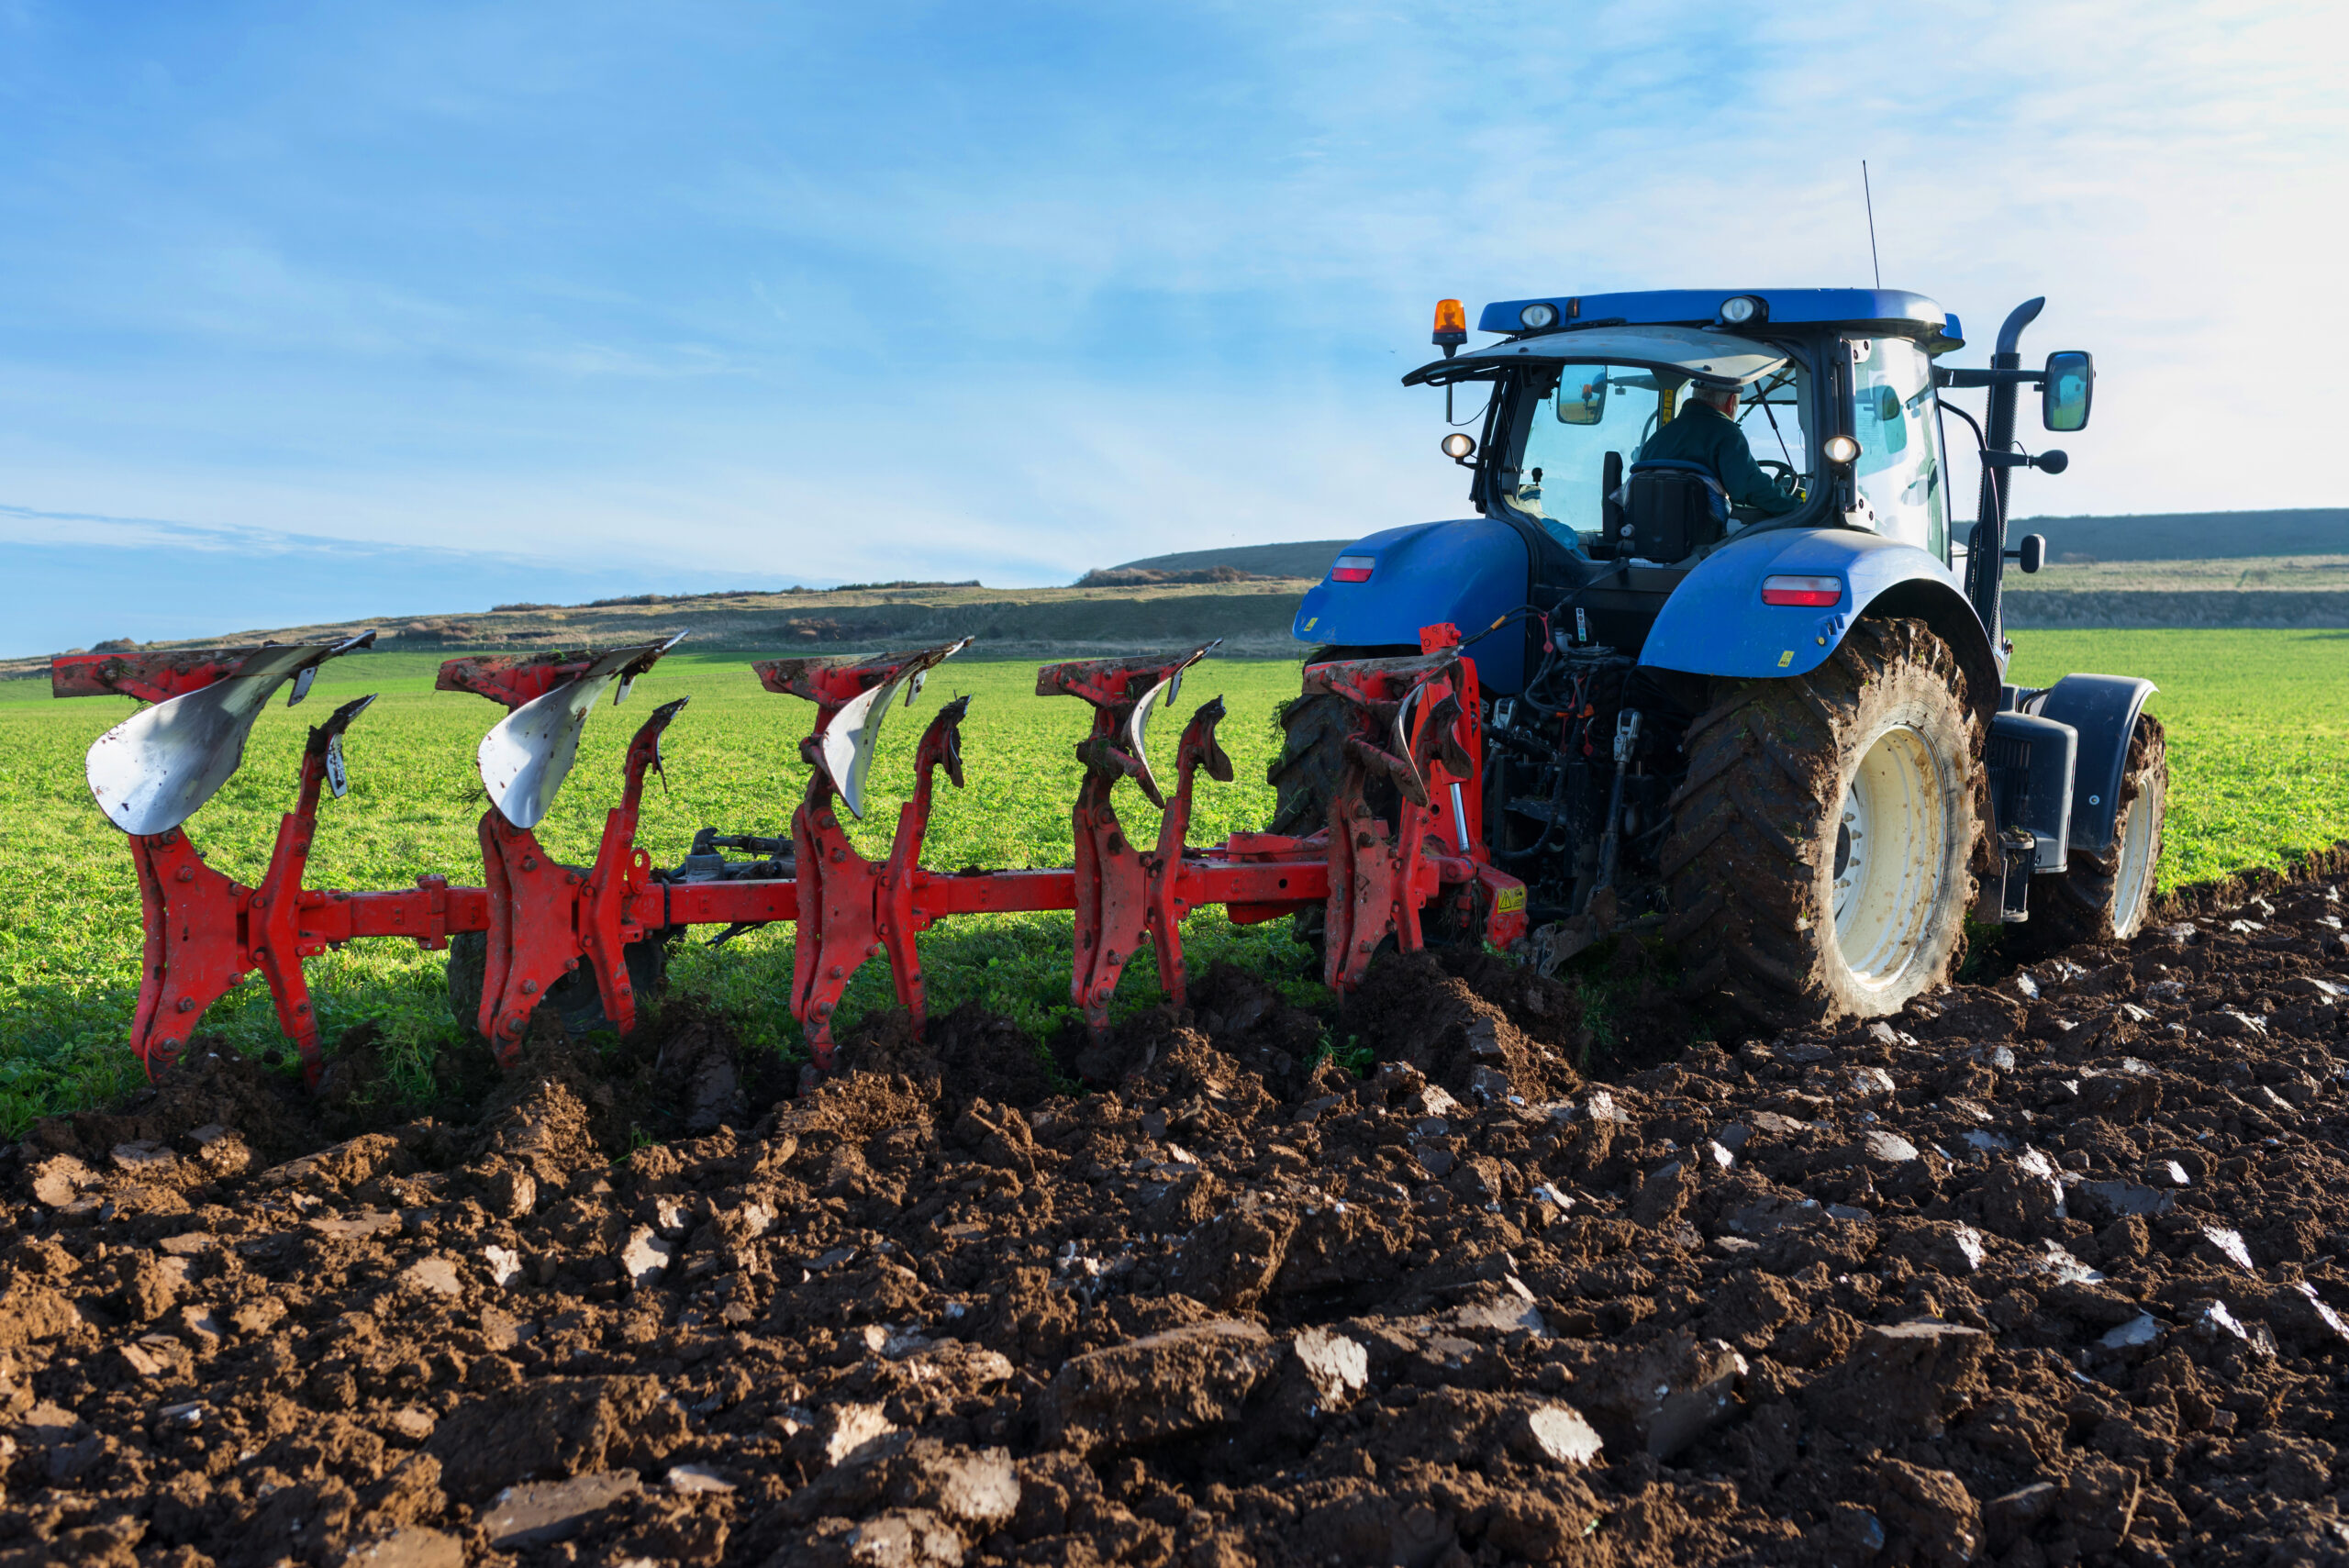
(1415, 732)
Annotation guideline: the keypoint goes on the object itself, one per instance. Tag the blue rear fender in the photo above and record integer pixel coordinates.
(1716, 624)
(1469, 572)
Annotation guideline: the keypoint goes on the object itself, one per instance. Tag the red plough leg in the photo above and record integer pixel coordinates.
(1113, 881)
(897, 913)
(607, 904)
(194, 947)
(1168, 887)
(546, 917)
(274, 925)
(840, 901)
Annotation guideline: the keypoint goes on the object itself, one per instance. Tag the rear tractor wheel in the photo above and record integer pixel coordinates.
(1820, 862)
(2104, 898)
(1312, 763)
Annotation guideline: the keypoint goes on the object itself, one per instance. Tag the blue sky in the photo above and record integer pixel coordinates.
(388, 310)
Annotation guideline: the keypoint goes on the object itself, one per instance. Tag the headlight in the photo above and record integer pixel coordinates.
(1739, 310)
(1839, 448)
(1457, 446)
(1538, 318)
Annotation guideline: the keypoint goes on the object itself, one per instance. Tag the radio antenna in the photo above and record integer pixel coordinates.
(1869, 197)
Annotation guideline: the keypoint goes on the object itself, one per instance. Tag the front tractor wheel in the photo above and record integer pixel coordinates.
(2105, 897)
(1820, 862)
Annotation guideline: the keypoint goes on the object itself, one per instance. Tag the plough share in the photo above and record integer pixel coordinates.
(1377, 872)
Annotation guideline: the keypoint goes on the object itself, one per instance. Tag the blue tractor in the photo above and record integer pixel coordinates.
(1765, 718)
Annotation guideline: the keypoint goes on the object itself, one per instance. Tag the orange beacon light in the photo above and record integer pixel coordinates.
(1450, 326)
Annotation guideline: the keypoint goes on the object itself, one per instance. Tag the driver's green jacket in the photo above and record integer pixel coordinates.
(1701, 433)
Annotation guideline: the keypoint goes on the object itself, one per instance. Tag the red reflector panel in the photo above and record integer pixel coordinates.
(1818, 592)
(1353, 569)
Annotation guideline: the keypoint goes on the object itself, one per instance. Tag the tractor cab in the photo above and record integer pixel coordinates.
(1605, 447)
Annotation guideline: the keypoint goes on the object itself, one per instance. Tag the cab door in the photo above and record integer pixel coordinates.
(1902, 481)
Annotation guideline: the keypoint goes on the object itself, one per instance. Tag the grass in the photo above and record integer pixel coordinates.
(2258, 727)
(2259, 748)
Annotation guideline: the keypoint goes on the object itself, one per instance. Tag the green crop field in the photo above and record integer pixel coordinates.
(2259, 750)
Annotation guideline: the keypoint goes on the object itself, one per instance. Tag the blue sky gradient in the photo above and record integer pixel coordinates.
(443, 297)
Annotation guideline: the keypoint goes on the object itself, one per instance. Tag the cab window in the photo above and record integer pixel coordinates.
(1902, 487)
(1574, 423)
(1590, 411)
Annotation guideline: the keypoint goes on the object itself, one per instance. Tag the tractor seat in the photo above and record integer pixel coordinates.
(1670, 509)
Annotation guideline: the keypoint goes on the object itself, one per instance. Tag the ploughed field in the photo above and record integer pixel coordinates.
(2043, 1271)
(2259, 745)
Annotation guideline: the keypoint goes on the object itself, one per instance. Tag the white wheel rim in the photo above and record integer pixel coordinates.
(1890, 844)
(2135, 880)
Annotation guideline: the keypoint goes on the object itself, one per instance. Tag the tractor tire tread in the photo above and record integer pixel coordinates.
(1765, 765)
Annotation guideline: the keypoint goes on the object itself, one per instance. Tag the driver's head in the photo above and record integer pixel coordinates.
(1722, 399)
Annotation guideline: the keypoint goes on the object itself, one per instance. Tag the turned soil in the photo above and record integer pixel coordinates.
(2042, 1271)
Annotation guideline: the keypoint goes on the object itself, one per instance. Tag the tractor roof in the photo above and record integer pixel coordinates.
(1897, 310)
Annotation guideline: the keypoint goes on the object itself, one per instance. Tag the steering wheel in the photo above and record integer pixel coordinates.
(1781, 474)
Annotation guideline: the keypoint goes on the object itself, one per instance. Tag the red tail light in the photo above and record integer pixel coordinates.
(1353, 569)
(1816, 593)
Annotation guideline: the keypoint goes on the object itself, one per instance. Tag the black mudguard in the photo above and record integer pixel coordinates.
(2104, 709)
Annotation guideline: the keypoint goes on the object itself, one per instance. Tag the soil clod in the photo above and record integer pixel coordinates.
(1488, 1269)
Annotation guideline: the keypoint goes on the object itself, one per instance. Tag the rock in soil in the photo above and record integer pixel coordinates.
(2045, 1270)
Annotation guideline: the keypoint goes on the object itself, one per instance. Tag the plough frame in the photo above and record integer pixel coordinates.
(1415, 728)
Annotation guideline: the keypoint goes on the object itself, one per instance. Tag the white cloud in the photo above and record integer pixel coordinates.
(847, 293)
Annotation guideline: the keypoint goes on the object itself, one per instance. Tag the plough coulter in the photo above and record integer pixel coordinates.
(1402, 844)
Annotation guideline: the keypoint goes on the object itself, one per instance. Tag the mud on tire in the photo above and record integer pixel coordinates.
(1823, 849)
(2104, 898)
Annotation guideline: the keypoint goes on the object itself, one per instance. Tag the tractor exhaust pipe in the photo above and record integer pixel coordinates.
(1987, 560)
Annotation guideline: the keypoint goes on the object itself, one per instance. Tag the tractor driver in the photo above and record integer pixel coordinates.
(1706, 432)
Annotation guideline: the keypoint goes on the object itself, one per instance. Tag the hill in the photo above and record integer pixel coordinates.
(1308, 561)
(2282, 569)
(2195, 536)
(1253, 617)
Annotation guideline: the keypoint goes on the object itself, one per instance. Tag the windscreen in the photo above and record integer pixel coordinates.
(1559, 474)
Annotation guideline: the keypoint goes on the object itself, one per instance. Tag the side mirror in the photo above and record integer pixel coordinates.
(2068, 388)
(2031, 555)
(1581, 403)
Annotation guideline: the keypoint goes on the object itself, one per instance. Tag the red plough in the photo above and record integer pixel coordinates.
(1376, 872)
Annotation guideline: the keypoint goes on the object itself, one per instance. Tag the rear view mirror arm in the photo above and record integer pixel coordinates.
(1954, 376)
